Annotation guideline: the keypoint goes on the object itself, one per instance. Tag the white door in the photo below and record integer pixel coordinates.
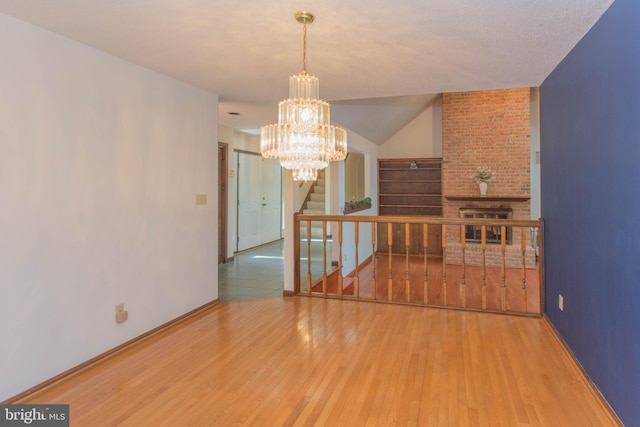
(249, 201)
(259, 200)
(271, 200)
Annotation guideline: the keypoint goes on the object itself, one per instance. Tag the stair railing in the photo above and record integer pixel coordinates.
(493, 274)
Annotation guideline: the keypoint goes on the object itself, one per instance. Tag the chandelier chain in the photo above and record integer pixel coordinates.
(304, 47)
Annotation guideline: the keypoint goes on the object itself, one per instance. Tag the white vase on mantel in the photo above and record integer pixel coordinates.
(483, 189)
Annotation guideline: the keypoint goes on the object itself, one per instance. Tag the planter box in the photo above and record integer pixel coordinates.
(361, 207)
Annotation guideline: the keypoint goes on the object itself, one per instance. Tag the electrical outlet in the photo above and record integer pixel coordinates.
(121, 314)
(561, 302)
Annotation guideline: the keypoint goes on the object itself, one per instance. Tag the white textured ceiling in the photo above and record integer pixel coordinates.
(361, 50)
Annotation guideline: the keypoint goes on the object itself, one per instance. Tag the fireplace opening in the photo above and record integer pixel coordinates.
(473, 233)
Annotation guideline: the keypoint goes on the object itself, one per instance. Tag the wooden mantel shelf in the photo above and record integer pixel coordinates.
(489, 198)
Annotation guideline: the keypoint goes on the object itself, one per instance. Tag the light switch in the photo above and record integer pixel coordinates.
(201, 199)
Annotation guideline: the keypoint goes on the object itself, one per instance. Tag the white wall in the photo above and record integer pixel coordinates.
(353, 179)
(422, 137)
(100, 162)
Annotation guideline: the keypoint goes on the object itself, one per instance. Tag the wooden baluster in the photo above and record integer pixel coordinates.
(373, 261)
(425, 245)
(444, 264)
(407, 274)
(483, 240)
(324, 257)
(390, 243)
(503, 248)
(463, 285)
(308, 256)
(356, 279)
(340, 284)
(523, 247)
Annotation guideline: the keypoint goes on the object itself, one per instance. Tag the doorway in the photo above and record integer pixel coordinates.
(259, 200)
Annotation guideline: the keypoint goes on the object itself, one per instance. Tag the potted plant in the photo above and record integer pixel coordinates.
(483, 176)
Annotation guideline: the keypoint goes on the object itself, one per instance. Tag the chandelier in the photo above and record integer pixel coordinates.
(304, 139)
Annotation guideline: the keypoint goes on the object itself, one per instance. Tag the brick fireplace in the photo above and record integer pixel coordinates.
(493, 235)
(487, 128)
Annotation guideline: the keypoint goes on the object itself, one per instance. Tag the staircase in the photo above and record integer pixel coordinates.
(314, 206)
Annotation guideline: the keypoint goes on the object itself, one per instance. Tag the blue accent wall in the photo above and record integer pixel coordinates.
(590, 186)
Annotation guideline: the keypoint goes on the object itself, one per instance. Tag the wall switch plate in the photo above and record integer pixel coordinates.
(119, 307)
(201, 199)
(561, 302)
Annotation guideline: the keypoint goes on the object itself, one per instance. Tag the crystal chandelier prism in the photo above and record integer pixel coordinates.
(304, 140)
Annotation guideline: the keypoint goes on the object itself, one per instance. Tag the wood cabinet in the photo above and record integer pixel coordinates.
(410, 187)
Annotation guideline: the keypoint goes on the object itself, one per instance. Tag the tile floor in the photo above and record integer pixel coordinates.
(253, 274)
(259, 273)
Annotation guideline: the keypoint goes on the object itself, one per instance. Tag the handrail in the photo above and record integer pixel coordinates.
(422, 220)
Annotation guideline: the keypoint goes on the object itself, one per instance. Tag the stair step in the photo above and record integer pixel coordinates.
(313, 212)
(316, 206)
(320, 182)
(316, 230)
(317, 197)
(318, 189)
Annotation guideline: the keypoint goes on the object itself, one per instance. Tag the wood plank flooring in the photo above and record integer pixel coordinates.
(298, 361)
(473, 275)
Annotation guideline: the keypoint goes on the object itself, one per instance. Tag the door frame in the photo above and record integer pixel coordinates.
(223, 201)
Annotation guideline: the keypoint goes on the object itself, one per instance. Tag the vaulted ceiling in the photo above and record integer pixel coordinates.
(379, 62)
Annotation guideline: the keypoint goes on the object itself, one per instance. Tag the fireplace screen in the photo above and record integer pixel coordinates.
(473, 233)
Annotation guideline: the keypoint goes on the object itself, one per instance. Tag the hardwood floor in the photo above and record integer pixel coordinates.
(314, 361)
(473, 274)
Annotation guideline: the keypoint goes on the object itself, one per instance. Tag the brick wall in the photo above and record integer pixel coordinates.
(486, 128)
